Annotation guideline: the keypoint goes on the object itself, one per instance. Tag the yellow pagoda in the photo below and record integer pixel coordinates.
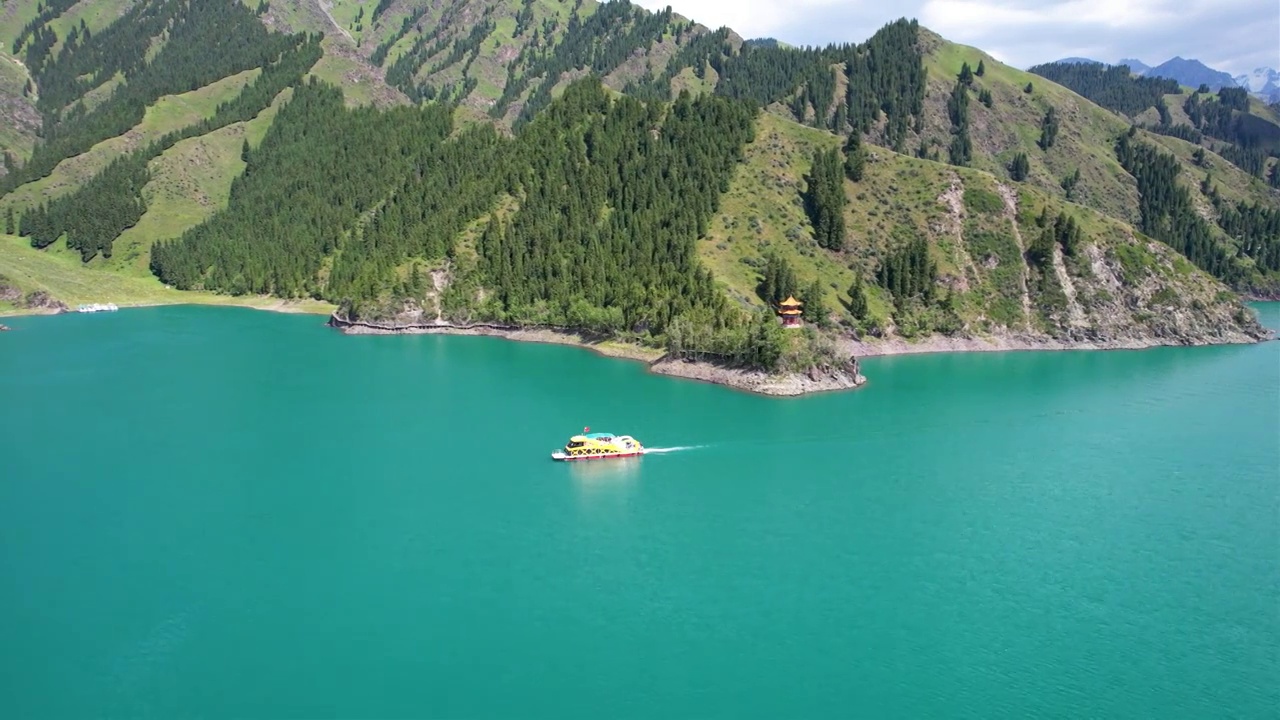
(790, 311)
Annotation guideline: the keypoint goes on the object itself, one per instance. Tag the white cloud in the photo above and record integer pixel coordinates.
(985, 16)
(748, 18)
(1231, 35)
(1027, 33)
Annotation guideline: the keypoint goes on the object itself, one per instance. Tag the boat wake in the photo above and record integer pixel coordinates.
(662, 450)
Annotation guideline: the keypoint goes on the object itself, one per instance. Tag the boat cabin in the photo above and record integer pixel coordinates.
(578, 441)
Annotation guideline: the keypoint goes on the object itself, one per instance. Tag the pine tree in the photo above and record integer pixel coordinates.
(814, 307)
(1198, 157)
(1020, 166)
(415, 280)
(982, 69)
(1027, 89)
(1066, 233)
(1040, 252)
(825, 200)
(779, 280)
(909, 272)
(855, 157)
(857, 300)
(1069, 183)
(10, 227)
(966, 75)
(961, 150)
(1048, 129)
(1274, 177)
(984, 97)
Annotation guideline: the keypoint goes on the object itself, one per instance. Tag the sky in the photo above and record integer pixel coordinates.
(1231, 35)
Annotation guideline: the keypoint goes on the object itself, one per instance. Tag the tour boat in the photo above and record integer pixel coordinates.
(598, 446)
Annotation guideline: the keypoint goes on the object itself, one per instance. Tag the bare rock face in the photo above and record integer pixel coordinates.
(41, 300)
(34, 300)
(838, 375)
(820, 378)
(405, 312)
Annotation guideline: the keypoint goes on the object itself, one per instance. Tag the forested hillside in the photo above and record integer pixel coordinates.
(1227, 120)
(611, 197)
(636, 174)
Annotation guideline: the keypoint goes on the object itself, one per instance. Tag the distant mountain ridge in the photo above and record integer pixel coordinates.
(1081, 61)
(1263, 82)
(1135, 65)
(768, 42)
(1192, 73)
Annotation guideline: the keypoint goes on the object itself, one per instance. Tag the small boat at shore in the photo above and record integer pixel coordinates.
(598, 446)
(97, 307)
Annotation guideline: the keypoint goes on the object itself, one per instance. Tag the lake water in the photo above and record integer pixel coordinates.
(219, 512)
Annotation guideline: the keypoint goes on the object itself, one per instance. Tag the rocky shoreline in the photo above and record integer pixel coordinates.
(815, 380)
(845, 376)
(1017, 342)
(37, 302)
(822, 379)
(40, 303)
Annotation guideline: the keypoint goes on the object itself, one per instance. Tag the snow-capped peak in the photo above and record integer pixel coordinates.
(1259, 80)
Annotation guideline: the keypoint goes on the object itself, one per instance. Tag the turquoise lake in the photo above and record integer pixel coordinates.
(226, 513)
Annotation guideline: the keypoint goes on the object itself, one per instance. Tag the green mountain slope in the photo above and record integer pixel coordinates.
(984, 237)
(19, 119)
(496, 57)
(1237, 127)
(346, 152)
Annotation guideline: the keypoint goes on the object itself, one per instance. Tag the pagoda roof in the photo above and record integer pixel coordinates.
(791, 301)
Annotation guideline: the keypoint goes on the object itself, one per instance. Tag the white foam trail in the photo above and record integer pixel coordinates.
(656, 451)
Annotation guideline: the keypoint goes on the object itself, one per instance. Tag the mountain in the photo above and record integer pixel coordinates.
(1246, 134)
(767, 42)
(1191, 73)
(630, 174)
(1263, 83)
(1136, 66)
(1080, 61)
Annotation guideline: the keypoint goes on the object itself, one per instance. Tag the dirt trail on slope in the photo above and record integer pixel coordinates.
(324, 7)
(953, 198)
(1075, 314)
(1011, 212)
